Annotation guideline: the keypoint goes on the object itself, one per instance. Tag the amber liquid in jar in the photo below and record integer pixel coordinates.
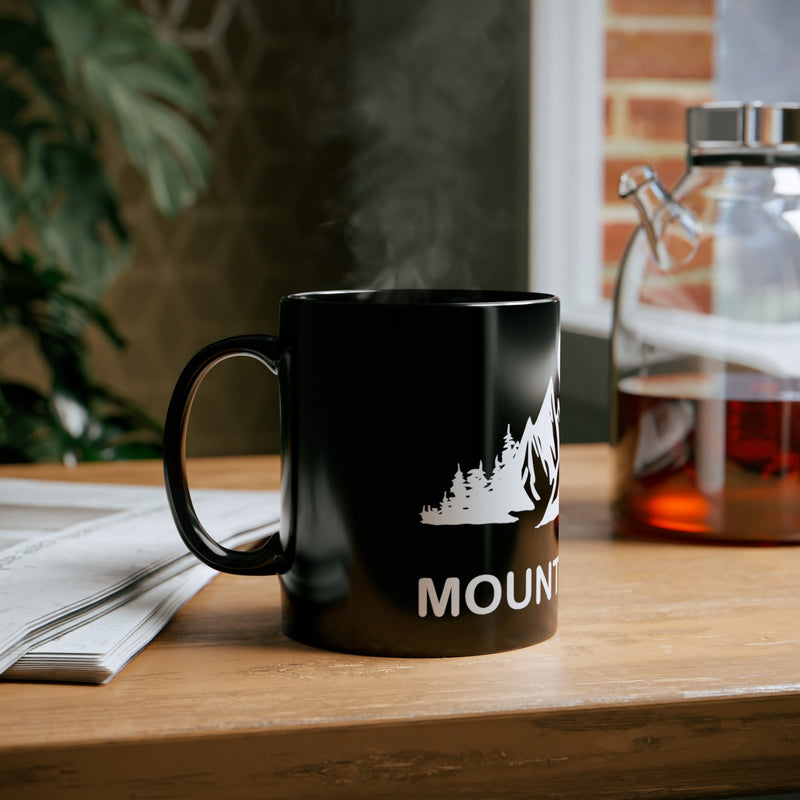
(712, 457)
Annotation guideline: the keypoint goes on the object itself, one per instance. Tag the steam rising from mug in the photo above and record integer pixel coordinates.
(437, 112)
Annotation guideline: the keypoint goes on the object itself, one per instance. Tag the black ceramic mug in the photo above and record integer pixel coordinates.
(420, 469)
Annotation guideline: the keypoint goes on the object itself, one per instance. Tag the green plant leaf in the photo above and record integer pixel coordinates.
(148, 86)
(28, 432)
(20, 39)
(12, 103)
(32, 74)
(42, 303)
(34, 427)
(9, 207)
(74, 209)
(24, 43)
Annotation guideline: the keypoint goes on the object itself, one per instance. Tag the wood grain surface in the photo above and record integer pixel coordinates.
(674, 673)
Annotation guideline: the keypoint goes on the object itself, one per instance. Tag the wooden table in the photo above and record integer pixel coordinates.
(675, 673)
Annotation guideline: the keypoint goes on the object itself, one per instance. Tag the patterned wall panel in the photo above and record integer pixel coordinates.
(262, 231)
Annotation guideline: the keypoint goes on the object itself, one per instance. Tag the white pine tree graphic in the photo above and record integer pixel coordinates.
(524, 477)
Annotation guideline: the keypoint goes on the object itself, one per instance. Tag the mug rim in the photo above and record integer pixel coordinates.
(424, 297)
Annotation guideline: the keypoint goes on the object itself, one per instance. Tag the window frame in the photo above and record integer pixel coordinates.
(567, 75)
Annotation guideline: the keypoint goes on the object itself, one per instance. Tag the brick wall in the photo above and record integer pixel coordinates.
(659, 61)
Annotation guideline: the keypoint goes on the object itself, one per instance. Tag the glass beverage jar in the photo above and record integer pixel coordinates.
(706, 336)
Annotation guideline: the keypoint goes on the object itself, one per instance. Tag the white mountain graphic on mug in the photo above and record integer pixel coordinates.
(524, 478)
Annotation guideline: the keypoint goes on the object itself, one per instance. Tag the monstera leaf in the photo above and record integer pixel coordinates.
(111, 53)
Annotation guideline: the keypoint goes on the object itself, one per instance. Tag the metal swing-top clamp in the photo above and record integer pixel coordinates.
(746, 133)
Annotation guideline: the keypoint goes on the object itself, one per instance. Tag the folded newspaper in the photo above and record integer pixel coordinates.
(89, 573)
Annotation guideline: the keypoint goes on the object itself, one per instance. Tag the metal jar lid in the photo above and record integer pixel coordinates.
(733, 126)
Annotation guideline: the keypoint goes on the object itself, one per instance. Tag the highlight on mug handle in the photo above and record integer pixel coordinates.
(264, 560)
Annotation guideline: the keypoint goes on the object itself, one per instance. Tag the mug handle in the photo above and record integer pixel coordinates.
(264, 560)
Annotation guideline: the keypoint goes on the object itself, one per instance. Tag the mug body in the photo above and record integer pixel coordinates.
(420, 450)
